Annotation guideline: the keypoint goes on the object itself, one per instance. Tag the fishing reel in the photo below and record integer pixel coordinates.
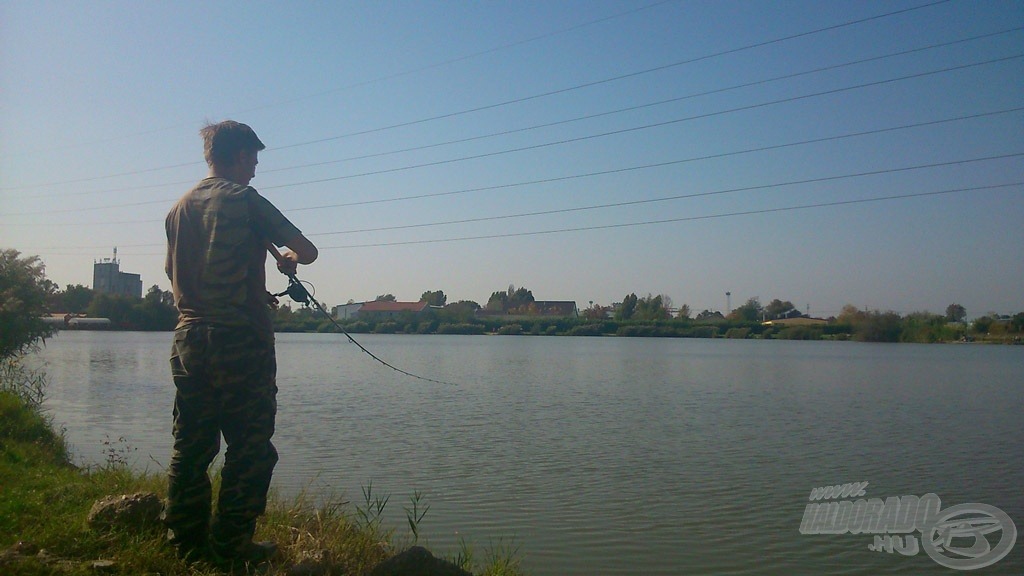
(297, 291)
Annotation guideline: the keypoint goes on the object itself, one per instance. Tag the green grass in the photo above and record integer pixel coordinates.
(44, 501)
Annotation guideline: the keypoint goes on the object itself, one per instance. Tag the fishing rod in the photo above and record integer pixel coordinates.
(297, 291)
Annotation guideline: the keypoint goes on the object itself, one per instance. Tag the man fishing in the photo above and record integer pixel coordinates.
(222, 359)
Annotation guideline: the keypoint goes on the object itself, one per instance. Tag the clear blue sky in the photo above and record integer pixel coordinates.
(466, 146)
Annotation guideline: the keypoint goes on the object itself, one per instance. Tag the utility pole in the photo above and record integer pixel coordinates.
(728, 303)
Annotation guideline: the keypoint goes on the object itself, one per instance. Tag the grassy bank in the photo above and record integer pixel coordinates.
(44, 502)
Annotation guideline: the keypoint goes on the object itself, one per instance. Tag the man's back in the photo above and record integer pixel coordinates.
(216, 254)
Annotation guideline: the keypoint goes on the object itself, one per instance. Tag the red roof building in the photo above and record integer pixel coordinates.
(388, 308)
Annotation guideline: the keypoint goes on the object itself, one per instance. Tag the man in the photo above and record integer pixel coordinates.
(222, 360)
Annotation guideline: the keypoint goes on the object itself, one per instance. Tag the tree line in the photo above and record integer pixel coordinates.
(153, 312)
(27, 295)
(655, 316)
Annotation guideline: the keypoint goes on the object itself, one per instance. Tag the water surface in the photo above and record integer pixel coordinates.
(603, 455)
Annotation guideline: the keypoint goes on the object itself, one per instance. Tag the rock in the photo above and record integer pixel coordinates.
(417, 561)
(46, 557)
(139, 511)
(102, 565)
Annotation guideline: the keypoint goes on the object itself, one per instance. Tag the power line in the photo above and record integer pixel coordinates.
(616, 78)
(650, 222)
(682, 219)
(647, 200)
(641, 106)
(638, 128)
(544, 125)
(591, 174)
(568, 140)
(535, 96)
(463, 58)
(655, 222)
(649, 166)
(323, 93)
(668, 198)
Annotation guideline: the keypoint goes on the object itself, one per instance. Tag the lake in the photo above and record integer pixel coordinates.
(608, 455)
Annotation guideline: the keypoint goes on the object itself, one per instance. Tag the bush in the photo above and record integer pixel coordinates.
(646, 331)
(877, 327)
(20, 381)
(799, 333)
(21, 421)
(386, 328)
(737, 333)
(702, 332)
(358, 327)
(587, 330)
(510, 330)
(23, 293)
(460, 328)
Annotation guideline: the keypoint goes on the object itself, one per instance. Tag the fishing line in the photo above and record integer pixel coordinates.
(297, 291)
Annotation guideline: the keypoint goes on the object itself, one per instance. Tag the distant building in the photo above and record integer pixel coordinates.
(77, 322)
(799, 321)
(377, 309)
(390, 309)
(346, 311)
(107, 278)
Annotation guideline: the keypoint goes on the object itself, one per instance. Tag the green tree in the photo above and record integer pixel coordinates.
(74, 299)
(955, 313)
(983, 324)
(24, 291)
(709, 316)
(749, 312)
(385, 298)
(156, 295)
(435, 298)
(926, 327)
(878, 327)
(498, 302)
(519, 299)
(513, 299)
(459, 312)
(596, 312)
(779, 309)
(627, 308)
(113, 307)
(155, 311)
(684, 312)
(1017, 322)
(652, 308)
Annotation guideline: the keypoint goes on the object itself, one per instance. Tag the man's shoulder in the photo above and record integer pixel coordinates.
(212, 192)
(221, 186)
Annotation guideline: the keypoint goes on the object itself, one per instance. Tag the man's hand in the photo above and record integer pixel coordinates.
(288, 264)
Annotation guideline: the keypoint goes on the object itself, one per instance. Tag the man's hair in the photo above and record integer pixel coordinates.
(223, 141)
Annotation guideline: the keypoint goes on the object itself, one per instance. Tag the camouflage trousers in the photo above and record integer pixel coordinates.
(226, 384)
